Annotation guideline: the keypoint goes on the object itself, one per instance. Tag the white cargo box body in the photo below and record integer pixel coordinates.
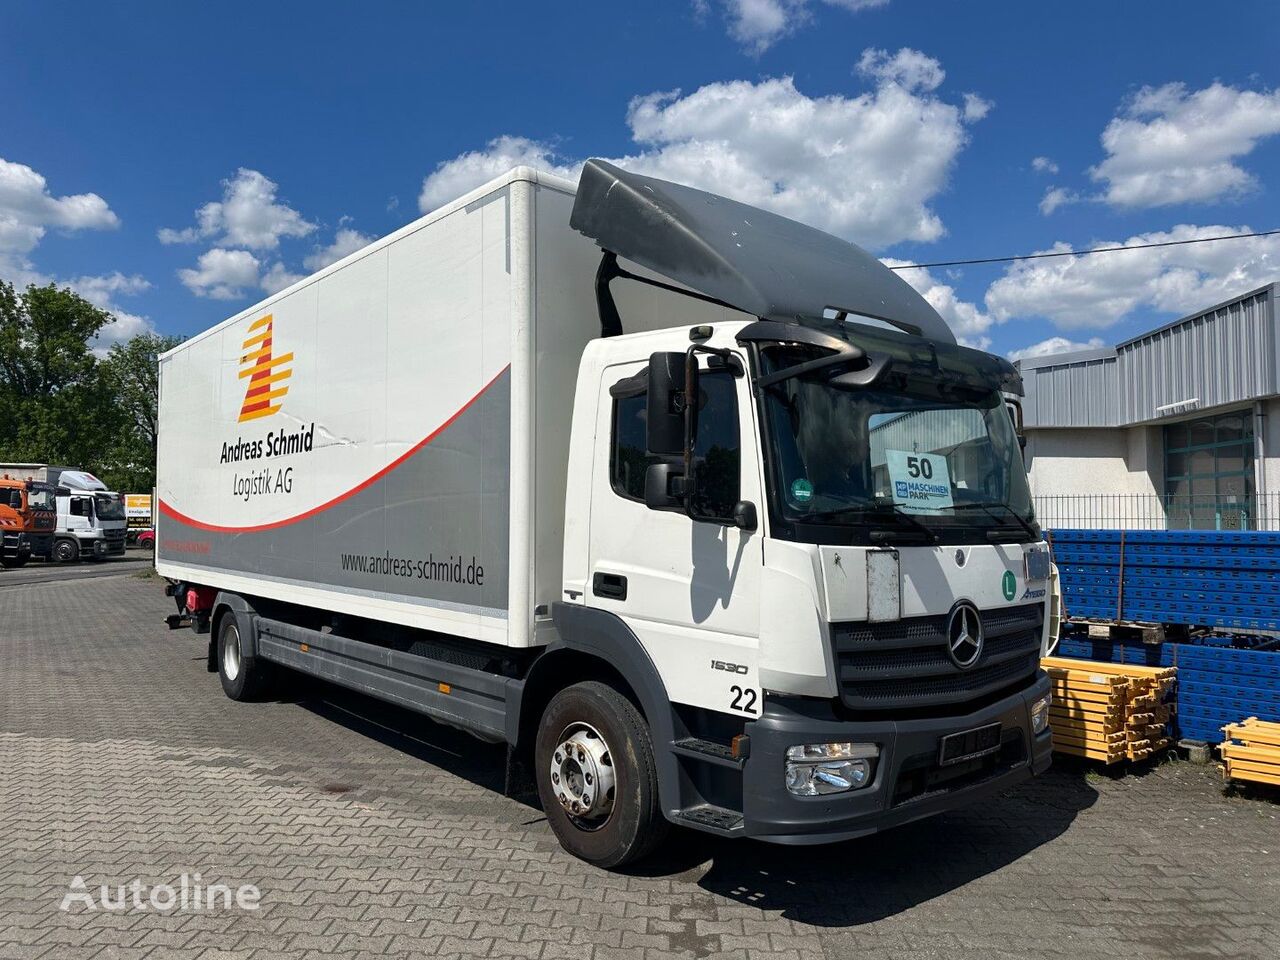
(388, 437)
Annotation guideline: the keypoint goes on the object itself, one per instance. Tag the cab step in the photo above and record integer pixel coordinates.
(709, 751)
(712, 819)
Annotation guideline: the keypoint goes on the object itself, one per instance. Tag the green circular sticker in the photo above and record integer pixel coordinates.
(801, 491)
(1009, 584)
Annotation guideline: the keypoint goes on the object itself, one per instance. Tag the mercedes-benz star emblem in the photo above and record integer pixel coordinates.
(964, 635)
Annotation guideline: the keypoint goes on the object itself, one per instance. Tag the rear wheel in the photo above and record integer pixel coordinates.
(66, 551)
(596, 775)
(243, 678)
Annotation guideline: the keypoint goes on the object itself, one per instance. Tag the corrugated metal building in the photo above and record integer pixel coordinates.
(1171, 428)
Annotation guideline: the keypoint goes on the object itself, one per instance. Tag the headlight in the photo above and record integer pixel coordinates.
(816, 769)
(1040, 713)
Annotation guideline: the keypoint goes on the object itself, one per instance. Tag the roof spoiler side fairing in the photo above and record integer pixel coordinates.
(737, 255)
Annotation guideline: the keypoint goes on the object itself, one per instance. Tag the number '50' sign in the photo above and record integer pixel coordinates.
(918, 467)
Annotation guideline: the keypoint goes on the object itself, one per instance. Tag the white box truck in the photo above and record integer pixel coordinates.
(701, 511)
(91, 519)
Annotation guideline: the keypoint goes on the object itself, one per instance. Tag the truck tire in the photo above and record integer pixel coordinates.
(243, 678)
(597, 780)
(66, 551)
(12, 563)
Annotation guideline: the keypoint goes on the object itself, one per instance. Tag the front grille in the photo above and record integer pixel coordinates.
(904, 665)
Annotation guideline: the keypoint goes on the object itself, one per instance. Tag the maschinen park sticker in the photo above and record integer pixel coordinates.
(920, 481)
(801, 490)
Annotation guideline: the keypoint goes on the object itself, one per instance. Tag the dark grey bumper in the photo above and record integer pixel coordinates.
(908, 783)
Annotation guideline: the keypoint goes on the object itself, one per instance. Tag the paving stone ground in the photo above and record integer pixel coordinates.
(372, 832)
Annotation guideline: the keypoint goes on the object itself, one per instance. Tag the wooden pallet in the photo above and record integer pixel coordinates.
(1252, 751)
(1109, 711)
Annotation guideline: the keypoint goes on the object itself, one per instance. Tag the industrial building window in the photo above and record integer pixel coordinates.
(1208, 469)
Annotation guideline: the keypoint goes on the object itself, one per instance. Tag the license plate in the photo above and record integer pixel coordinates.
(969, 744)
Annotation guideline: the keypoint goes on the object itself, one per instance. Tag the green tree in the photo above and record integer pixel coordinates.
(55, 405)
(131, 374)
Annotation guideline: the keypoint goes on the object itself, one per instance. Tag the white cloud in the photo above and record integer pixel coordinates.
(759, 24)
(864, 167)
(102, 292)
(966, 320)
(1043, 165)
(976, 107)
(1056, 197)
(346, 241)
(910, 69)
(1098, 291)
(248, 215)
(1169, 145)
(28, 209)
(1055, 345)
(221, 274)
(277, 278)
(452, 178)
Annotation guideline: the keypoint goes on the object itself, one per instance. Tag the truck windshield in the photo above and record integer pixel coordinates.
(41, 498)
(907, 458)
(109, 506)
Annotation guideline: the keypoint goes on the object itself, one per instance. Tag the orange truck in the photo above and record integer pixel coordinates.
(28, 515)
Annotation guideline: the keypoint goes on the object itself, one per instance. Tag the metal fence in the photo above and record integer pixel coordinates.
(1143, 511)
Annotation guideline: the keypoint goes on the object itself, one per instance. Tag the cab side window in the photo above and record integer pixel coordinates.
(79, 507)
(716, 453)
(15, 499)
(628, 460)
(716, 450)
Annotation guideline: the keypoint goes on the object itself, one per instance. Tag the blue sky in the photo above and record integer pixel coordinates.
(913, 128)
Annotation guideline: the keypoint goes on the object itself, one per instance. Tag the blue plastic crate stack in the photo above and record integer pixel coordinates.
(1225, 580)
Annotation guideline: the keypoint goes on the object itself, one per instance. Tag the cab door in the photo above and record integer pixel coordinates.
(689, 589)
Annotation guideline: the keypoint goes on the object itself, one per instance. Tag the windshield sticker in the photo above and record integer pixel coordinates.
(801, 491)
(921, 481)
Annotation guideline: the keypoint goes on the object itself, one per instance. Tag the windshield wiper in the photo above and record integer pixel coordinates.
(1018, 518)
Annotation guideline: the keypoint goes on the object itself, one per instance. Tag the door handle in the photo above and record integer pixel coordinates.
(610, 585)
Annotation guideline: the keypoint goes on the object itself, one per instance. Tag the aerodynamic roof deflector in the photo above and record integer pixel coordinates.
(737, 255)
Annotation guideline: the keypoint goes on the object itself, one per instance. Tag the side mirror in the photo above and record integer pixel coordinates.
(665, 411)
(664, 486)
(744, 516)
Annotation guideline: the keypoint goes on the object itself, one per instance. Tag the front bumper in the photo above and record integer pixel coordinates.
(103, 546)
(908, 783)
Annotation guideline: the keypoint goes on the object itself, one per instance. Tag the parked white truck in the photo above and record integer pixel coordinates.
(701, 511)
(91, 521)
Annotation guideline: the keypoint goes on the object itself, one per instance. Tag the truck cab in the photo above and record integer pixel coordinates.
(815, 522)
(91, 519)
(27, 520)
(834, 546)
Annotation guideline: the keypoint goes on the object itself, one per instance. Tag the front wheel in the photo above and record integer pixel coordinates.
(597, 778)
(66, 551)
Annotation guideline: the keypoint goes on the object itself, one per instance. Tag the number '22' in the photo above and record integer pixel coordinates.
(744, 700)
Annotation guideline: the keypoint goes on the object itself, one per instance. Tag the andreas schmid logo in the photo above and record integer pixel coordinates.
(267, 373)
